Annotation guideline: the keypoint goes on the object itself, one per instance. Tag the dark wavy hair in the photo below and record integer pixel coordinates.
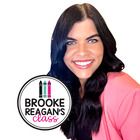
(85, 115)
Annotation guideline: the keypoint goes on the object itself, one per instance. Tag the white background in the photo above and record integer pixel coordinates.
(26, 27)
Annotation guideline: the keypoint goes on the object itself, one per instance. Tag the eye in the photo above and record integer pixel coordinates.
(92, 40)
(70, 42)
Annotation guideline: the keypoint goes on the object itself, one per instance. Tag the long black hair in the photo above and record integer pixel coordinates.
(86, 112)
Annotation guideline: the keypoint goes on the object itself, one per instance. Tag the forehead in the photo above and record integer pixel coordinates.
(83, 29)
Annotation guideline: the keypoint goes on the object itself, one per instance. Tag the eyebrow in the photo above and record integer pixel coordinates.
(95, 35)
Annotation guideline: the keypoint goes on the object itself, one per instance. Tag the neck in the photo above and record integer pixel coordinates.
(81, 90)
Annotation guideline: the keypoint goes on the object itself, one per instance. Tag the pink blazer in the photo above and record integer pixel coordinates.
(121, 109)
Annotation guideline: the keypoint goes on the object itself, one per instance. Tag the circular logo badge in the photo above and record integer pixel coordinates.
(44, 102)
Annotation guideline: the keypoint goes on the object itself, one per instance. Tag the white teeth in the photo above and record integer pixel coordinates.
(83, 63)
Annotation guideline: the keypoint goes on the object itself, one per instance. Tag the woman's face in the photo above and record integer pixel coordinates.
(85, 50)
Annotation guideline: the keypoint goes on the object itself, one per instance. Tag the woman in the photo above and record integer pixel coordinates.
(105, 101)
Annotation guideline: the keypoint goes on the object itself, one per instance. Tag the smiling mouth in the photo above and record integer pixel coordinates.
(83, 64)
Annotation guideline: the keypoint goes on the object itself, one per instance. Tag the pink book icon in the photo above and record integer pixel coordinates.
(49, 89)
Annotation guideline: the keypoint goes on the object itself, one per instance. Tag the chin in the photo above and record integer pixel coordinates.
(84, 77)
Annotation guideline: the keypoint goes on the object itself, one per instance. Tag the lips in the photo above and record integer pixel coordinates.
(83, 64)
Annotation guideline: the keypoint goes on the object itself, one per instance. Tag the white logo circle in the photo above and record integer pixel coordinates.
(44, 102)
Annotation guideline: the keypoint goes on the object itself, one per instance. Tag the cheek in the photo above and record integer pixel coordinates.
(67, 57)
(98, 52)
(101, 52)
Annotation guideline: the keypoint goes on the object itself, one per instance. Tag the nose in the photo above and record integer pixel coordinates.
(82, 49)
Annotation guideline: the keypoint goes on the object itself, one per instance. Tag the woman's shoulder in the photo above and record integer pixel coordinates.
(121, 94)
(119, 86)
(121, 80)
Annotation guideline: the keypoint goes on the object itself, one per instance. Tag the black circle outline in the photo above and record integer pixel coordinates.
(19, 98)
